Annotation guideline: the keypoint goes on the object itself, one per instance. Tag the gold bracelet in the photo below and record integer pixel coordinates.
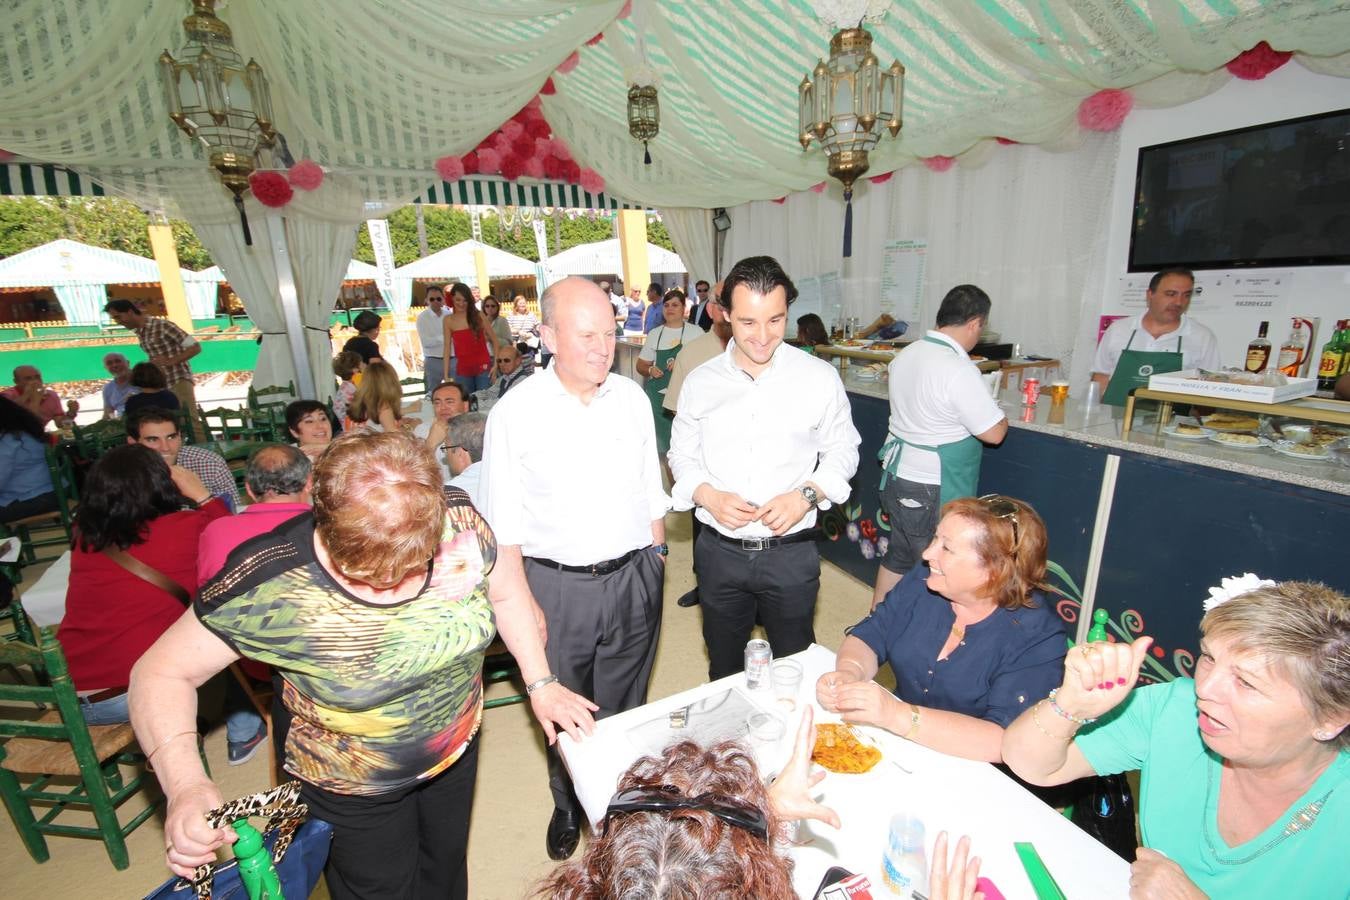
(164, 743)
(913, 723)
(1036, 719)
(857, 664)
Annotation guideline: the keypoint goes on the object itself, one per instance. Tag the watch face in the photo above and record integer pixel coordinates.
(810, 495)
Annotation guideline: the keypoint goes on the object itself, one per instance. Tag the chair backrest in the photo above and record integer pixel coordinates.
(413, 387)
(63, 482)
(100, 437)
(50, 686)
(275, 395)
(185, 427)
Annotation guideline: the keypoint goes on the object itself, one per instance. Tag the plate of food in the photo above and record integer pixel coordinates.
(1299, 450)
(840, 748)
(1240, 440)
(856, 343)
(1187, 430)
(1224, 421)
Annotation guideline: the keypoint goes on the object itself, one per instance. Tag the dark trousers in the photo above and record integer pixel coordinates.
(405, 845)
(736, 587)
(602, 635)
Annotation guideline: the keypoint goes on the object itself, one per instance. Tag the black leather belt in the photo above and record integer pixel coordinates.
(100, 696)
(596, 569)
(767, 543)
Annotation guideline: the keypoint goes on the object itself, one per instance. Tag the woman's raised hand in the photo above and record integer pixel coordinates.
(1099, 676)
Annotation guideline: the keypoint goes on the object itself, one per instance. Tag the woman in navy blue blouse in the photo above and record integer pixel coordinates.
(969, 634)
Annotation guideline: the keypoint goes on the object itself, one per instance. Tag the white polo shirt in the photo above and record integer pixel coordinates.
(937, 397)
(1199, 346)
(761, 437)
(430, 332)
(568, 481)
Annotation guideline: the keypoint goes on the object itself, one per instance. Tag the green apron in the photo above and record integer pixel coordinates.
(958, 461)
(654, 388)
(1134, 368)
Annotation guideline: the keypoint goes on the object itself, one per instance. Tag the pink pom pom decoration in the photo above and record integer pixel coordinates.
(512, 129)
(450, 168)
(570, 63)
(538, 128)
(271, 188)
(818, 188)
(560, 149)
(1258, 62)
(534, 167)
(595, 40)
(502, 144)
(470, 161)
(535, 105)
(626, 10)
(1105, 110)
(553, 167)
(489, 161)
(306, 175)
(548, 89)
(591, 182)
(5, 156)
(573, 173)
(881, 179)
(939, 163)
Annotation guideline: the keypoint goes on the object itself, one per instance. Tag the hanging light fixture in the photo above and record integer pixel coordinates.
(845, 103)
(217, 99)
(644, 116)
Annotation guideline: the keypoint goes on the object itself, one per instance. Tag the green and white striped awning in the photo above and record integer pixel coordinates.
(498, 192)
(34, 180)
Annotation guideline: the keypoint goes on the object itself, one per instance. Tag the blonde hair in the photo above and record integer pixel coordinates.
(346, 364)
(378, 505)
(1300, 628)
(379, 388)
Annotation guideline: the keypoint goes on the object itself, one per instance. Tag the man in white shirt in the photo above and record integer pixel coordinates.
(448, 400)
(464, 453)
(580, 514)
(1163, 327)
(433, 338)
(763, 435)
(116, 392)
(941, 416)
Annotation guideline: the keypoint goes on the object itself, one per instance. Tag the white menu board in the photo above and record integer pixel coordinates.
(902, 279)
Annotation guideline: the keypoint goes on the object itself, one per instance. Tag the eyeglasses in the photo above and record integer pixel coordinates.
(503, 361)
(667, 798)
(1001, 507)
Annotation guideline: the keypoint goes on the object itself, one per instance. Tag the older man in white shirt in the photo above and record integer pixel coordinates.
(582, 513)
(763, 436)
(430, 333)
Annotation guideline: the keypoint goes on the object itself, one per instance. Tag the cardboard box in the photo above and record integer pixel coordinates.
(1188, 382)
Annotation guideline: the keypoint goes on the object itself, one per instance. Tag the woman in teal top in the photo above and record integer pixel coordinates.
(1245, 770)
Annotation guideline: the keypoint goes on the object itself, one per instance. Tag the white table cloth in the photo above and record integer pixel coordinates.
(956, 795)
(45, 599)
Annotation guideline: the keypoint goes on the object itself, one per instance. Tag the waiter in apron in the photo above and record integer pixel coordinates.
(1161, 340)
(942, 415)
(662, 344)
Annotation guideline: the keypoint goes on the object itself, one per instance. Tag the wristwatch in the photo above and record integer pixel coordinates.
(812, 498)
(663, 549)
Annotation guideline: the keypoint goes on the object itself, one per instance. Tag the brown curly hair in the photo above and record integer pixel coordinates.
(1014, 555)
(686, 854)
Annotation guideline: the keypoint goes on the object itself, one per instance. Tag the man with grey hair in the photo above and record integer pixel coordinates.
(40, 400)
(116, 392)
(511, 368)
(464, 452)
(580, 518)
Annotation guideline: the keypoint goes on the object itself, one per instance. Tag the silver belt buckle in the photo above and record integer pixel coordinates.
(752, 543)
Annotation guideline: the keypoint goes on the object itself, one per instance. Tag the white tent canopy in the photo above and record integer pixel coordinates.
(604, 257)
(458, 262)
(356, 271)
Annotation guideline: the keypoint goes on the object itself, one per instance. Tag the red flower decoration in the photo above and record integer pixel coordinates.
(450, 168)
(502, 143)
(535, 105)
(470, 161)
(626, 10)
(573, 172)
(570, 63)
(818, 188)
(560, 149)
(512, 167)
(1258, 62)
(512, 129)
(591, 182)
(538, 128)
(1007, 142)
(868, 529)
(534, 167)
(554, 168)
(489, 161)
(939, 163)
(881, 179)
(5, 156)
(548, 90)
(271, 188)
(1105, 110)
(1159, 652)
(780, 200)
(595, 40)
(306, 175)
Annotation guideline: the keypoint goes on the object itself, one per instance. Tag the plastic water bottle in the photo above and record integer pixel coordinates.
(256, 871)
(904, 866)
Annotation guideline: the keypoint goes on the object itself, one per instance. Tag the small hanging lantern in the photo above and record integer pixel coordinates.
(644, 116)
(844, 104)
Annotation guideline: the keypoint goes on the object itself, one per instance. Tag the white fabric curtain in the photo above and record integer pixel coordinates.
(691, 230)
(83, 303)
(1022, 227)
(201, 298)
(319, 253)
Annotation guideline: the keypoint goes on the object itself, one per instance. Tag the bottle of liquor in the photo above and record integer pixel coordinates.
(1345, 348)
(1333, 358)
(1293, 350)
(1258, 351)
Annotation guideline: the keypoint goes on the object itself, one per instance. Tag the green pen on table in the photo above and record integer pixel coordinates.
(1042, 882)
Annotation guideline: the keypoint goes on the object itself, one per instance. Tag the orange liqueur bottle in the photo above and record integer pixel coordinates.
(1258, 351)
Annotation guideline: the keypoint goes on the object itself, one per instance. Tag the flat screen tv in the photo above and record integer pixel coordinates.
(1270, 195)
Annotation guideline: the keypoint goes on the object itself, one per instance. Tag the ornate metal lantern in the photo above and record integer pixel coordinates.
(644, 116)
(844, 104)
(219, 100)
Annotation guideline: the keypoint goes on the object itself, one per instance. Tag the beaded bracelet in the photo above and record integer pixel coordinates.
(1059, 710)
(1036, 720)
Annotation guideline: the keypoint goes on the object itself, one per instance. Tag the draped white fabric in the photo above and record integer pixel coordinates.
(1022, 227)
(83, 303)
(319, 252)
(201, 298)
(691, 230)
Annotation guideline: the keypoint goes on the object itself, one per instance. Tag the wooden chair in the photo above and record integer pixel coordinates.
(236, 425)
(413, 388)
(67, 497)
(271, 396)
(92, 441)
(56, 747)
(499, 665)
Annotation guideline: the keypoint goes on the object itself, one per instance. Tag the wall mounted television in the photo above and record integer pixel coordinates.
(1276, 194)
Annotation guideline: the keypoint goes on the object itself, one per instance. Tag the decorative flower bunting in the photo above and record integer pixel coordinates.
(570, 63)
(1007, 142)
(307, 175)
(818, 188)
(1105, 110)
(452, 168)
(5, 156)
(881, 179)
(1258, 62)
(591, 182)
(595, 40)
(548, 89)
(780, 200)
(939, 163)
(626, 10)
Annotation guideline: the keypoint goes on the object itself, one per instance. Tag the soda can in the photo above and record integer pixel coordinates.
(758, 663)
(1032, 388)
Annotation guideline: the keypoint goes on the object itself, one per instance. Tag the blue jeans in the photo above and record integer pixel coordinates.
(241, 719)
(433, 372)
(112, 711)
(472, 383)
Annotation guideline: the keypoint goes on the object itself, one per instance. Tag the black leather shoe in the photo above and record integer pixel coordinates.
(689, 598)
(564, 830)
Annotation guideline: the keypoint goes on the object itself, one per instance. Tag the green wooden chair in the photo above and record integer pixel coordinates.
(41, 530)
(413, 388)
(92, 441)
(46, 752)
(275, 395)
(229, 425)
(499, 665)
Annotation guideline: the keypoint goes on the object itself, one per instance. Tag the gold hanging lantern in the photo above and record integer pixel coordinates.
(644, 116)
(214, 97)
(844, 104)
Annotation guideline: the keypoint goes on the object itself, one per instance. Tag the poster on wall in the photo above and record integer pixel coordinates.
(902, 268)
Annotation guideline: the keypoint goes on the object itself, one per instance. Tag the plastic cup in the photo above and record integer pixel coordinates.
(766, 730)
(787, 681)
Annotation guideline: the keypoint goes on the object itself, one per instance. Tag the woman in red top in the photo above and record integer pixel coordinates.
(133, 502)
(474, 341)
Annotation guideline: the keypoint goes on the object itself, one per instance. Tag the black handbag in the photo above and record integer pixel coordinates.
(1105, 810)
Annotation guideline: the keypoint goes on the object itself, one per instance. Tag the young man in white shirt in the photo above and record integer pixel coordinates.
(763, 436)
(429, 331)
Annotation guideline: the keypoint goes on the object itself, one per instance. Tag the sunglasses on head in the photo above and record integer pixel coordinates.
(667, 798)
(1001, 507)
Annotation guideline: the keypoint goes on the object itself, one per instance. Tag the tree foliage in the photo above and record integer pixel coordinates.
(109, 222)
